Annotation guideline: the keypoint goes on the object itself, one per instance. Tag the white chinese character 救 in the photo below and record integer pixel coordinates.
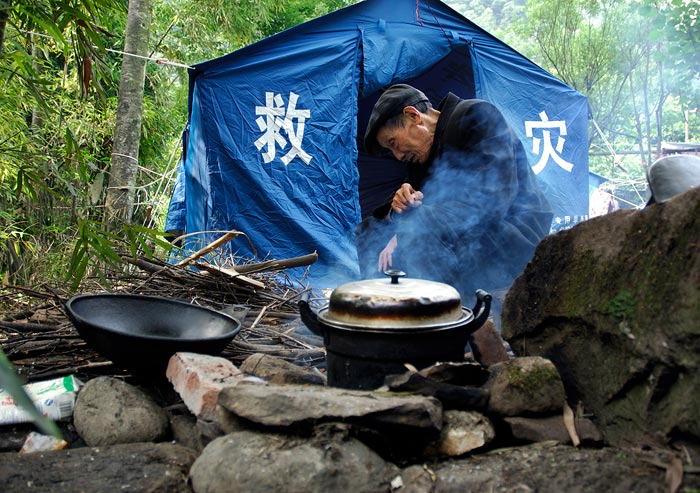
(275, 120)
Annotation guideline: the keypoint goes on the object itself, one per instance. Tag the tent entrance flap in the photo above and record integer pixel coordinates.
(381, 176)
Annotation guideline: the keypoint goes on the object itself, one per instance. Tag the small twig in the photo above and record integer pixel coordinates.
(71, 370)
(276, 314)
(301, 343)
(34, 293)
(257, 319)
(280, 351)
(222, 240)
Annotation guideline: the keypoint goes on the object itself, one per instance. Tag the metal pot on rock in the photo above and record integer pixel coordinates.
(372, 328)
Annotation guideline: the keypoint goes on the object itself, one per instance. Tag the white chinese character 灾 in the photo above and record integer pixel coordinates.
(543, 145)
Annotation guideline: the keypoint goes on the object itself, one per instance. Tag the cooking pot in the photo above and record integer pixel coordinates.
(372, 328)
(141, 333)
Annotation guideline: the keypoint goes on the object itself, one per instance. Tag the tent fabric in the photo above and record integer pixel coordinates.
(274, 147)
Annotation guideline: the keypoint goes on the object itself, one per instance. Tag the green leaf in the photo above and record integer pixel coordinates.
(10, 381)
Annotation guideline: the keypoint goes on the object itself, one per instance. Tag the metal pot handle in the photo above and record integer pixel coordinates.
(481, 310)
(308, 316)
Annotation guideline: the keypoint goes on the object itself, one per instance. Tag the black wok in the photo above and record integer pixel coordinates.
(141, 333)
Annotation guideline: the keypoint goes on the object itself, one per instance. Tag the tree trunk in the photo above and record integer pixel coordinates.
(660, 108)
(4, 11)
(119, 202)
(637, 120)
(647, 157)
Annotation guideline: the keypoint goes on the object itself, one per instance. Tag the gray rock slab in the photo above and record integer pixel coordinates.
(285, 405)
(135, 468)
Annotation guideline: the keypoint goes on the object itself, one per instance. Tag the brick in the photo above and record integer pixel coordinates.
(198, 379)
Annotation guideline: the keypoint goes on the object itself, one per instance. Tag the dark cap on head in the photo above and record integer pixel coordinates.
(390, 103)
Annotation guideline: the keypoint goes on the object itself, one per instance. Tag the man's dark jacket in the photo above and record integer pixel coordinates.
(483, 213)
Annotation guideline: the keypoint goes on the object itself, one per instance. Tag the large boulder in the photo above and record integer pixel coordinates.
(614, 303)
(246, 461)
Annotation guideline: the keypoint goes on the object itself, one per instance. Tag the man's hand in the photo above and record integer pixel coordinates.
(385, 255)
(406, 197)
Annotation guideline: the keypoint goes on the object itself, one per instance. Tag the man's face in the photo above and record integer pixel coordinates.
(409, 143)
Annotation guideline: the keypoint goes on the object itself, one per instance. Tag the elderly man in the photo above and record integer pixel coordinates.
(470, 212)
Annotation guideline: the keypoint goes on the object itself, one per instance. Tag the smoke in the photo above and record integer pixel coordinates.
(477, 227)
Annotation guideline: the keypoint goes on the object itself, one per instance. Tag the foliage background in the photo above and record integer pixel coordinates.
(637, 61)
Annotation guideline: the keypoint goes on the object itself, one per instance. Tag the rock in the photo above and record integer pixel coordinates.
(525, 386)
(465, 374)
(109, 411)
(184, 431)
(245, 461)
(614, 302)
(207, 432)
(416, 479)
(137, 467)
(278, 371)
(451, 396)
(552, 428)
(285, 405)
(549, 468)
(221, 422)
(12, 438)
(487, 346)
(226, 421)
(462, 432)
(395, 426)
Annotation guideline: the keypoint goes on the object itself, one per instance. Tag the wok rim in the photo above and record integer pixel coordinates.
(81, 323)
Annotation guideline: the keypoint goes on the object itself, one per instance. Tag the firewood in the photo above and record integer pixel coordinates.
(270, 265)
(225, 238)
(231, 272)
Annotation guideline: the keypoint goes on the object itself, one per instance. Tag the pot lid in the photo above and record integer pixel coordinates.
(394, 302)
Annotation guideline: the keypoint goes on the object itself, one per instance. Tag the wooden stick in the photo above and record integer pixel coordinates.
(257, 319)
(28, 326)
(230, 272)
(277, 264)
(211, 246)
(281, 351)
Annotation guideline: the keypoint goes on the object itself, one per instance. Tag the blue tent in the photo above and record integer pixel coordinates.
(274, 147)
